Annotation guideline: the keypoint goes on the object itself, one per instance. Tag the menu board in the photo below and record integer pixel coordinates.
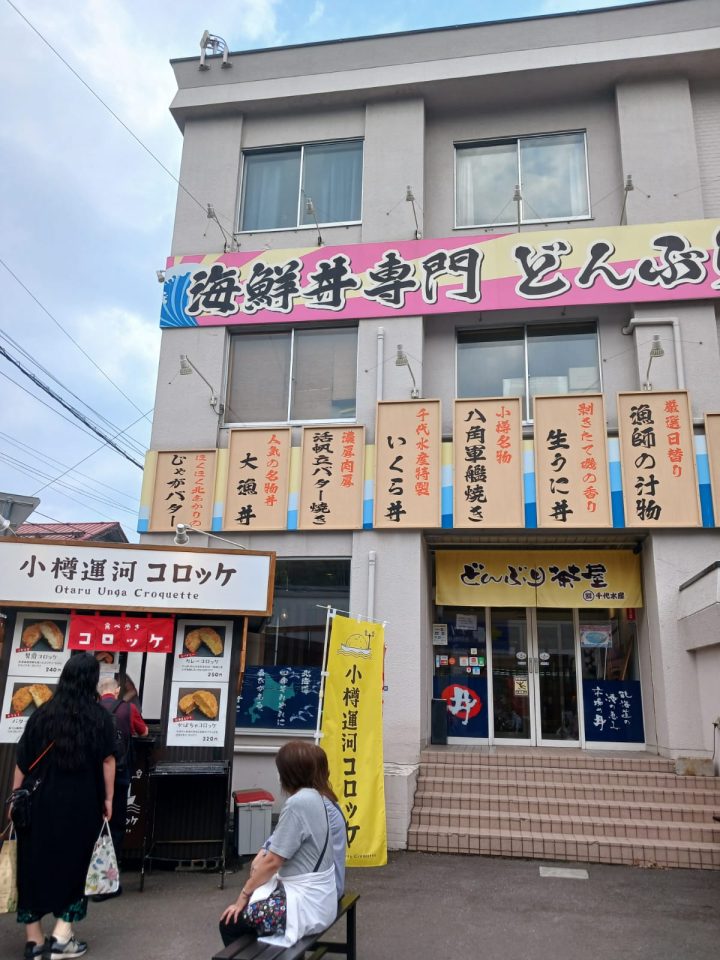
(37, 656)
(198, 713)
(39, 645)
(199, 687)
(23, 696)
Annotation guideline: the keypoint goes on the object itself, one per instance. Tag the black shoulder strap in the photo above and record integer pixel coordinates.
(327, 837)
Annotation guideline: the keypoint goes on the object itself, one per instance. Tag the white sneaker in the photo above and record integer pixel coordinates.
(70, 948)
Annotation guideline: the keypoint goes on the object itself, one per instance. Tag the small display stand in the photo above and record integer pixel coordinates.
(187, 818)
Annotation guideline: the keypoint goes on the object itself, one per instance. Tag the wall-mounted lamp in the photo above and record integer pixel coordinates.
(627, 188)
(230, 243)
(656, 350)
(186, 368)
(410, 198)
(401, 360)
(181, 537)
(160, 274)
(209, 43)
(517, 200)
(310, 211)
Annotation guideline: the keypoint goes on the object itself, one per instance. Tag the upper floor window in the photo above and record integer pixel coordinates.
(529, 361)
(551, 172)
(292, 375)
(277, 184)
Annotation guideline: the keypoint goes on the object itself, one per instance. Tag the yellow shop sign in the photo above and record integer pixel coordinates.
(542, 578)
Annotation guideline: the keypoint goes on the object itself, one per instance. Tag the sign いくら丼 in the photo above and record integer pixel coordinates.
(407, 464)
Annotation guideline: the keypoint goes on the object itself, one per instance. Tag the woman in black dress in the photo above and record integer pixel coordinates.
(77, 774)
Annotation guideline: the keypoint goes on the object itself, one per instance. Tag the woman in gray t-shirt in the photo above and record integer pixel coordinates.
(298, 860)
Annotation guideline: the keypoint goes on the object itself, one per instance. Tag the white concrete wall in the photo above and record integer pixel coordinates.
(657, 143)
(683, 687)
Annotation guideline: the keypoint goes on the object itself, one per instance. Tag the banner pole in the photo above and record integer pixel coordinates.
(323, 673)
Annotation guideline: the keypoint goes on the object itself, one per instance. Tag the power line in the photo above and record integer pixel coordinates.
(26, 448)
(67, 495)
(38, 474)
(57, 413)
(91, 454)
(109, 109)
(69, 407)
(28, 356)
(68, 335)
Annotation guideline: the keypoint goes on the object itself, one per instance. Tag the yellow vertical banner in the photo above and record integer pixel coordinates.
(352, 735)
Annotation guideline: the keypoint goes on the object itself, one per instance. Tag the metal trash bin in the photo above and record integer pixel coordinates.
(438, 722)
(253, 819)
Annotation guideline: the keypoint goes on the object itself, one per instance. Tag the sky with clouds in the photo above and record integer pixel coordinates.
(86, 214)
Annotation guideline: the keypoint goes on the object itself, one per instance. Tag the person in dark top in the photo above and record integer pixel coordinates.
(77, 777)
(129, 723)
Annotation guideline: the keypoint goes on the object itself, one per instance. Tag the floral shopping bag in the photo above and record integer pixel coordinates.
(8, 874)
(103, 875)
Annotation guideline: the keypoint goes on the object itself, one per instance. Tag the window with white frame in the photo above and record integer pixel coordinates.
(278, 183)
(538, 359)
(550, 170)
(292, 375)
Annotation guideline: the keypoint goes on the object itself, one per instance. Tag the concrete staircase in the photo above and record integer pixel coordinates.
(565, 805)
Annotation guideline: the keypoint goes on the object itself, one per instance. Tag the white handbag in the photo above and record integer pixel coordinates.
(103, 875)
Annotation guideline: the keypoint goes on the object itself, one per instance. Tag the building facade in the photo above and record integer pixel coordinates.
(452, 296)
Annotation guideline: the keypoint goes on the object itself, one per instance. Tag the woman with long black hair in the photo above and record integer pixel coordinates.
(74, 737)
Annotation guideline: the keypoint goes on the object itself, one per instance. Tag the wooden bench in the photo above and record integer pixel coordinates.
(248, 948)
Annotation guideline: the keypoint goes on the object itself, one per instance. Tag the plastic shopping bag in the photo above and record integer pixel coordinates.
(8, 874)
(103, 875)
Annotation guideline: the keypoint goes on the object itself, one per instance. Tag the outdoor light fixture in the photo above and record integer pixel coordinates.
(181, 537)
(209, 43)
(14, 511)
(310, 210)
(410, 198)
(187, 367)
(160, 274)
(628, 188)
(517, 200)
(401, 360)
(230, 242)
(656, 350)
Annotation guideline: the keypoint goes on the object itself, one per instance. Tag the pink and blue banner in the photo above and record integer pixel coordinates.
(550, 268)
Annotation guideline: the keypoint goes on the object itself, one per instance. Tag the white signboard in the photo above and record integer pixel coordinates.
(202, 651)
(198, 712)
(134, 577)
(23, 695)
(439, 634)
(39, 645)
(466, 621)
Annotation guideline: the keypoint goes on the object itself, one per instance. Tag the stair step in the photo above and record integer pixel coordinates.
(635, 778)
(565, 847)
(554, 823)
(456, 802)
(557, 788)
(520, 756)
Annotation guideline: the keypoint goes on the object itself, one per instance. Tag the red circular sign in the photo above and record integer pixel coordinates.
(462, 701)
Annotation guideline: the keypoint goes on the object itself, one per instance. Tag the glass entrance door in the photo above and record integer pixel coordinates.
(511, 678)
(555, 671)
(534, 676)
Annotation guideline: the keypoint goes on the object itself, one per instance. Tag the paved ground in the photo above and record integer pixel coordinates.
(424, 906)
